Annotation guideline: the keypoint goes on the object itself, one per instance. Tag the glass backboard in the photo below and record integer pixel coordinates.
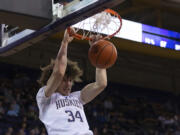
(63, 13)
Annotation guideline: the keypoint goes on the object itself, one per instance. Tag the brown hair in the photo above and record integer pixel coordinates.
(72, 70)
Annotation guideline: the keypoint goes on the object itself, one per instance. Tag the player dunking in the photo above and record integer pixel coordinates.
(60, 110)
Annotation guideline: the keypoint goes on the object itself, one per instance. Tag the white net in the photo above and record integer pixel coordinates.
(102, 23)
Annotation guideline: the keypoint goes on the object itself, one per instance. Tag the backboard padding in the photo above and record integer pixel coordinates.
(32, 14)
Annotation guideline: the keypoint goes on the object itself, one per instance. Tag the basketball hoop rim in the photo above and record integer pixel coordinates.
(80, 37)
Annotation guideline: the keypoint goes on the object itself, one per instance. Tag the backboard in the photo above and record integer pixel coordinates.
(23, 24)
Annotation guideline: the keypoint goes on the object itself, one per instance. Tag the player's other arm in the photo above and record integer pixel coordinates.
(90, 91)
(59, 67)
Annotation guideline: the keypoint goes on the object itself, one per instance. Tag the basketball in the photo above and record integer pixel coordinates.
(102, 54)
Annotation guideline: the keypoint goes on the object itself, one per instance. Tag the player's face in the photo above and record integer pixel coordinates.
(65, 86)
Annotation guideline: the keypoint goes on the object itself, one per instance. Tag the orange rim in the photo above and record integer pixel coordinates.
(79, 36)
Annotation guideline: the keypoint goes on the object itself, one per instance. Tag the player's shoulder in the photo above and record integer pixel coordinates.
(41, 93)
(41, 89)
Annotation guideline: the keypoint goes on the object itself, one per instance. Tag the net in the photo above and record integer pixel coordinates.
(106, 23)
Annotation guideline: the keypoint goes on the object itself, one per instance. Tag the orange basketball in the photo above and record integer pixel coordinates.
(102, 54)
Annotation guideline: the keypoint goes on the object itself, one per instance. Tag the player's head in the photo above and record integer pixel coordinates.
(73, 71)
(72, 74)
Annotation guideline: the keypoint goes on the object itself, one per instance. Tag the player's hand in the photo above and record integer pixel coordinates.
(67, 37)
(94, 38)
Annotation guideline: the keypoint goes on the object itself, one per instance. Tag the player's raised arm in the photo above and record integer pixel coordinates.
(90, 91)
(59, 66)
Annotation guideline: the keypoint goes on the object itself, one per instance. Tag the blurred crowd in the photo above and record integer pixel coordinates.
(119, 110)
(124, 112)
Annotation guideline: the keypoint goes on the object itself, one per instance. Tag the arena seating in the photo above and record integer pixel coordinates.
(119, 110)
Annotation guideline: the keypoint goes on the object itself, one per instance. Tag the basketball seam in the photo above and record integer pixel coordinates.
(100, 54)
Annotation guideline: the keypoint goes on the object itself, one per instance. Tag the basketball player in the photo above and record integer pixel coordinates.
(61, 110)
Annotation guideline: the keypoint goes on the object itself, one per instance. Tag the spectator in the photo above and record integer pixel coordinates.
(95, 131)
(2, 111)
(12, 111)
(21, 132)
(108, 104)
(36, 129)
(24, 127)
(32, 132)
(9, 131)
(8, 94)
(177, 132)
(15, 106)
